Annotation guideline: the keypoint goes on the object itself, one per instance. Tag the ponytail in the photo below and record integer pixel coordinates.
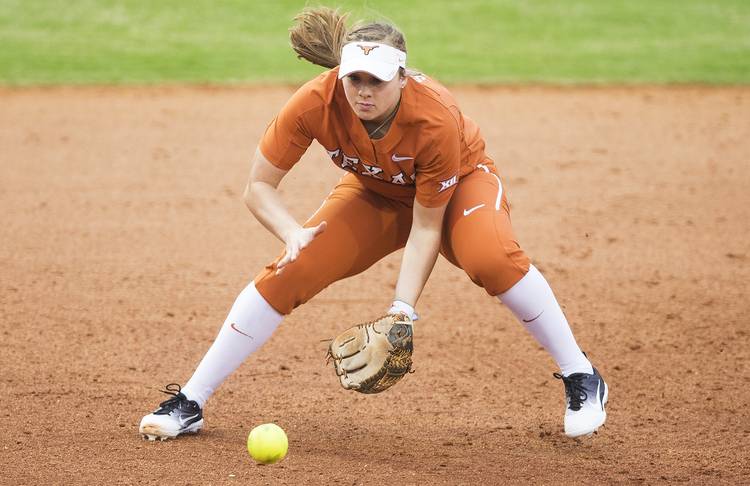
(318, 36)
(319, 33)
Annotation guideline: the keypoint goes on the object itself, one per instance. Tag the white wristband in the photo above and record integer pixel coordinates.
(403, 307)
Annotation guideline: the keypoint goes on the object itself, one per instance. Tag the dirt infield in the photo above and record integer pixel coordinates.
(125, 241)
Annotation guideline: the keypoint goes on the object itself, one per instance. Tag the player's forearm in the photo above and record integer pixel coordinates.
(264, 202)
(419, 258)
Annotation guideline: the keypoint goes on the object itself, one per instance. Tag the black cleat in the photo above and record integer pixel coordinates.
(175, 416)
(585, 395)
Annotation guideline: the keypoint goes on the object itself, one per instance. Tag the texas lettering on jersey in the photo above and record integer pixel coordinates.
(353, 164)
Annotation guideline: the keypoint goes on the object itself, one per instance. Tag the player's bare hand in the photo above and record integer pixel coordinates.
(296, 241)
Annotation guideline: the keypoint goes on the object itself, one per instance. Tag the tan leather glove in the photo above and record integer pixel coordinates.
(372, 357)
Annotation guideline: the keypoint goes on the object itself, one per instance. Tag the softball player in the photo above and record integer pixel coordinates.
(416, 177)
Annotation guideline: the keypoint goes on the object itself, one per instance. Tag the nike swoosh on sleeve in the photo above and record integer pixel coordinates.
(396, 158)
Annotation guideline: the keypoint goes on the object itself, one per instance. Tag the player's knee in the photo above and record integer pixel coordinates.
(293, 286)
(499, 272)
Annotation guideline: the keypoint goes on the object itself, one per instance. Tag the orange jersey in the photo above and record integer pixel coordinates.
(429, 146)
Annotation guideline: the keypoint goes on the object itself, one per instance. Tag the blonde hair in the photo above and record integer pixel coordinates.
(319, 34)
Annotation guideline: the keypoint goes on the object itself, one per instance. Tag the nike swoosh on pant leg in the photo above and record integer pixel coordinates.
(471, 210)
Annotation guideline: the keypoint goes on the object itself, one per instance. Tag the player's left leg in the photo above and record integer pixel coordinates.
(478, 237)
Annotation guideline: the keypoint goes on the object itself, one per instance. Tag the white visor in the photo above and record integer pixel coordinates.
(380, 60)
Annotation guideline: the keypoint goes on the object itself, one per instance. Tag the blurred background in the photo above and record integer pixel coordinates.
(52, 42)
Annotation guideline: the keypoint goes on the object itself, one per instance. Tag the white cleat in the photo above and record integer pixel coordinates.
(585, 395)
(152, 438)
(175, 416)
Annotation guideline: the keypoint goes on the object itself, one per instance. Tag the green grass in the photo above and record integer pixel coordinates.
(470, 41)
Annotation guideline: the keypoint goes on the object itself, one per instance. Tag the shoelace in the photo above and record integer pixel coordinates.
(574, 389)
(171, 403)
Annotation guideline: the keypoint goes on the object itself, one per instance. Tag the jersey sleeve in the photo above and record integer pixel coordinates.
(437, 170)
(288, 135)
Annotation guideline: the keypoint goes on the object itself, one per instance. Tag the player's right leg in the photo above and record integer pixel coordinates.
(250, 322)
(362, 228)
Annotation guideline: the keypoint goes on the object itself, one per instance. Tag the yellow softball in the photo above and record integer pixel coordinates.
(267, 443)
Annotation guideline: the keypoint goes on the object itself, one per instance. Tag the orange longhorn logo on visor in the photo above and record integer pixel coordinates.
(366, 49)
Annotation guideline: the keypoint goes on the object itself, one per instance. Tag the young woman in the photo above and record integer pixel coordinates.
(416, 177)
